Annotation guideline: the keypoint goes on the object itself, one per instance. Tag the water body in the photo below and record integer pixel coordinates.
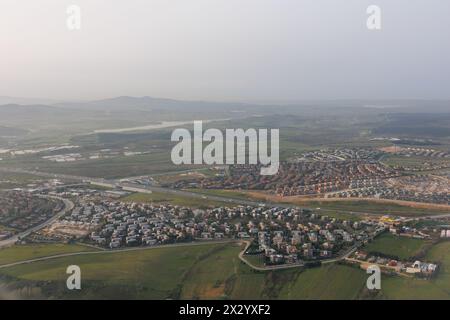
(154, 126)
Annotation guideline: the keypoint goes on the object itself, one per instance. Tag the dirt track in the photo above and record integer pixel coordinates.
(306, 199)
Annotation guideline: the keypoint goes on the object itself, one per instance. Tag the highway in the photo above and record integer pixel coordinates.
(141, 188)
(134, 187)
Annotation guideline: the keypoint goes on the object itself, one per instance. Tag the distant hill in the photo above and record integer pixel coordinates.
(26, 101)
(129, 112)
(149, 103)
(29, 110)
(27, 116)
(11, 132)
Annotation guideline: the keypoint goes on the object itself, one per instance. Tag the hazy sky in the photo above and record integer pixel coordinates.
(225, 49)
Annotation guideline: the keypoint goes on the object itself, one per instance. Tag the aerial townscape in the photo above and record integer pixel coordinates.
(236, 151)
(339, 210)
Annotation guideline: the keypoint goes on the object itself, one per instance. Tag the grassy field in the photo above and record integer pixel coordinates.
(151, 274)
(223, 193)
(401, 247)
(348, 210)
(9, 180)
(116, 167)
(411, 161)
(256, 260)
(429, 223)
(24, 252)
(370, 207)
(213, 271)
(327, 282)
(193, 175)
(178, 200)
(197, 272)
(5, 228)
(206, 282)
(436, 288)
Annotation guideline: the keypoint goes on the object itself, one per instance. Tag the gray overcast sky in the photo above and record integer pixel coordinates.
(225, 49)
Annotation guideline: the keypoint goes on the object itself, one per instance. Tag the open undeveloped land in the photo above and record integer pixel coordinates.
(213, 271)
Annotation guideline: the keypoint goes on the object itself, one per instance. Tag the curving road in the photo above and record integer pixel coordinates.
(68, 205)
(185, 244)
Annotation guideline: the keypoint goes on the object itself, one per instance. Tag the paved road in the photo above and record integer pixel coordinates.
(138, 187)
(342, 257)
(294, 265)
(68, 205)
(265, 268)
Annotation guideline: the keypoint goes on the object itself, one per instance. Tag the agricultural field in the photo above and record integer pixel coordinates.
(32, 251)
(372, 207)
(376, 207)
(331, 281)
(404, 248)
(109, 168)
(151, 274)
(213, 271)
(223, 193)
(178, 200)
(9, 180)
(203, 272)
(192, 175)
(436, 288)
(353, 206)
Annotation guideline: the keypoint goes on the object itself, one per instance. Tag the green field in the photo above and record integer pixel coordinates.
(151, 274)
(402, 247)
(348, 210)
(178, 200)
(196, 272)
(115, 167)
(411, 161)
(332, 281)
(223, 193)
(24, 252)
(10, 180)
(370, 207)
(436, 288)
(213, 271)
